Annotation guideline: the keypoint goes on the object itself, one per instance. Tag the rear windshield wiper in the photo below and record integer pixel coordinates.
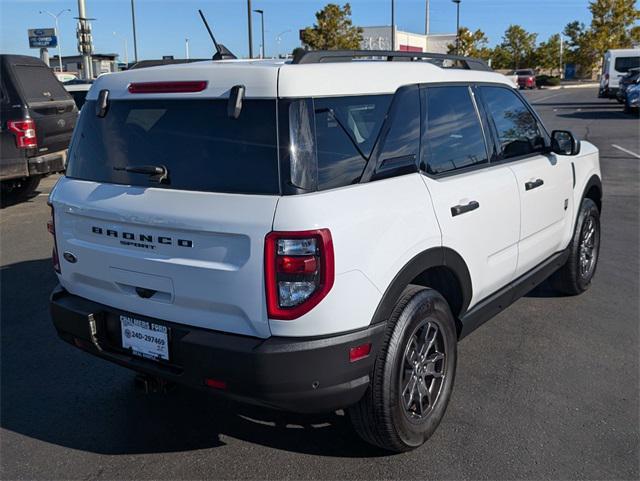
(159, 173)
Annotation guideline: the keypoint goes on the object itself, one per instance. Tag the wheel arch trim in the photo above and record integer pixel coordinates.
(434, 257)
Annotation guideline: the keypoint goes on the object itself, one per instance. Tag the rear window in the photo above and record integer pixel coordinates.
(39, 84)
(624, 64)
(195, 140)
(524, 72)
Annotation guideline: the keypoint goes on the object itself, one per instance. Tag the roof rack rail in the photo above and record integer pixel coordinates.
(324, 56)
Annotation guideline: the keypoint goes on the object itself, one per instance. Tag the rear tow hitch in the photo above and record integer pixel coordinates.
(151, 385)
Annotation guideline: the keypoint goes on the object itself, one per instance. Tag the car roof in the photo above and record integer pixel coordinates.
(281, 78)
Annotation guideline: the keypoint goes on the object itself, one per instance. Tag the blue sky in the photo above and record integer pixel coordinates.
(163, 25)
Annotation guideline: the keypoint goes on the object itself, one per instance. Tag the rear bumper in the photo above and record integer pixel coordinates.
(293, 374)
(48, 164)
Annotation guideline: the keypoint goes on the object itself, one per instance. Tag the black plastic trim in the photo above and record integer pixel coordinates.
(296, 374)
(503, 298)
(434, 257)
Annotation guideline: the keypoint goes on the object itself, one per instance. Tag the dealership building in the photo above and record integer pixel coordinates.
(379, 38)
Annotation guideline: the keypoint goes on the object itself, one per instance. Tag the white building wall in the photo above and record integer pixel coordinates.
(379, 38)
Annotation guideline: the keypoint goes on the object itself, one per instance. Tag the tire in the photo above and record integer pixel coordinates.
(390, 416)
(575, 276)
(23, 190)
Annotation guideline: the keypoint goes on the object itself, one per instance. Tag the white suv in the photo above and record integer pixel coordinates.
(314, 234)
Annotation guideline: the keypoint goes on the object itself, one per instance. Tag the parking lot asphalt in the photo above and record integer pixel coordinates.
(548, 389)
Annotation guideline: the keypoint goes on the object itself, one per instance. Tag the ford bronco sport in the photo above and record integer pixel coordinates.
(314, 234)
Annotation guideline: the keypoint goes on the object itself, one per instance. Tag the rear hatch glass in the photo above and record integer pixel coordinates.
(38, 84)
(201, 148)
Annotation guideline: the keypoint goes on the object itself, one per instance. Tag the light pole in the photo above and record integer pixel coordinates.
(126, 48)
(57, 32)
(262, 49)
(393, 25)
(561, 60)
(427, 26)
(279, 38)
(135, 39)
(250, 28)
(186, 47)
(457, 2)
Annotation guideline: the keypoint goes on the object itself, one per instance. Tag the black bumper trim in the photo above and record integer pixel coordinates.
(295, 374)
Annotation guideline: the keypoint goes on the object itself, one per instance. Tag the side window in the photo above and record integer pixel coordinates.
(402, 141)
(452, 137)
(346, 131)
(517, 129)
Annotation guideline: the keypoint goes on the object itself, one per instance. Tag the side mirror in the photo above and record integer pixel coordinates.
(564, 143)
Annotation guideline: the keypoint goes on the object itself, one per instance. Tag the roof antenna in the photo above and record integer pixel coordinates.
(222, 52)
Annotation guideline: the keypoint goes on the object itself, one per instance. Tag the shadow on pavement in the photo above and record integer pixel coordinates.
(54, 393)
(600, 115)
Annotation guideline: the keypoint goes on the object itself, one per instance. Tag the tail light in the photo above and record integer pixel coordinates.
(299, 271)
(25, 132)
(51, 227)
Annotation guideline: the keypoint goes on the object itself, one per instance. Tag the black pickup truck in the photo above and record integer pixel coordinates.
(37, 117)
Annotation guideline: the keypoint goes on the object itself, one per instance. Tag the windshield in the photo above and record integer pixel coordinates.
(199, 145)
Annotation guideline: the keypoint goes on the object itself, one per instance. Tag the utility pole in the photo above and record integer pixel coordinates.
(57, 32)
(186, 48)
(126, 48)
(393, 25)
(561, 60)
(457, 2)
(85, 44)
(427, 27)
(135, 39)
(250, 25)
(262, 49)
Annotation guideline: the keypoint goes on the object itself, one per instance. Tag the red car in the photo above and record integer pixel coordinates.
(526, 78)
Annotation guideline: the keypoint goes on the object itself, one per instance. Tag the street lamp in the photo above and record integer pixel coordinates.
(57, 32)
(126, 48)
(393, 24)
(186, 47)
(279, 38)
(135, 39)
(262, 49)
(457, 2)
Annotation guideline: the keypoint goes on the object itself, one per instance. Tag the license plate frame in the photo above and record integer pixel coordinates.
(145, 339)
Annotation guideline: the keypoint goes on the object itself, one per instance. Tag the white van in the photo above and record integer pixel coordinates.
(615, 65)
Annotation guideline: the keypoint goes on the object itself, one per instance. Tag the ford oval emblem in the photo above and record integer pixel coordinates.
(69, 257)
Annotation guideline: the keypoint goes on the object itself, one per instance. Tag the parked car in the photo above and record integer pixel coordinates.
(632, 77)
(526, 78)
(632, 98)
(261, 231)
(38, 117)
(615, 65)
(78, 91)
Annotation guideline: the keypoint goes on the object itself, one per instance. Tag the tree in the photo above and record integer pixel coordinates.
(611, 24)
(333, 30)
(518, 46)
(471, 44)
(548, 54)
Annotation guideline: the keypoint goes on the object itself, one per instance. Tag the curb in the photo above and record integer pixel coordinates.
(577, 86)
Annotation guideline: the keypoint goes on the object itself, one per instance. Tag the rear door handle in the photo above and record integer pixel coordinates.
(461, 209)
(533, 184)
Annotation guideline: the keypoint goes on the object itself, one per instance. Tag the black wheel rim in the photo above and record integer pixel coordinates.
(423, 371)
(588, 250)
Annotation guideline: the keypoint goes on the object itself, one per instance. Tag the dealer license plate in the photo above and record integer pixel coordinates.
(145, 339)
